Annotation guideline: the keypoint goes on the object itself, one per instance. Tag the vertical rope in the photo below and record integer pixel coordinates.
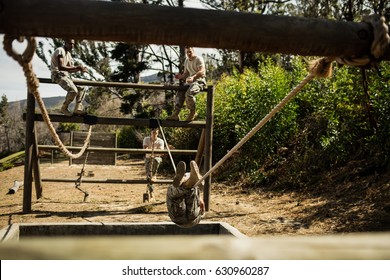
(166, 144)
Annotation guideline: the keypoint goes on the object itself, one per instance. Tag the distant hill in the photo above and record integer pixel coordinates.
(50, 102)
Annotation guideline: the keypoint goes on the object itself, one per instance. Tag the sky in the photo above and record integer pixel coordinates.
(12, 79)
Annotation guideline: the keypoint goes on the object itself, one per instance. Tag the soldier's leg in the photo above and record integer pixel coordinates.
(79, 108)
(179, 101)
(155, 165)
(67, 84)
(193, 90)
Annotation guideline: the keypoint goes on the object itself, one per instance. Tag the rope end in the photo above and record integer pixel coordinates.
(321, 67)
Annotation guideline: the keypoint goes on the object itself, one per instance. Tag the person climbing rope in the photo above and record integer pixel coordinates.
(152, 161)
(185, 206)
(194, 75)
(61, 66)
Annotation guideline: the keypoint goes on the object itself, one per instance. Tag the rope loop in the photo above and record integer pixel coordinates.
(379, 45)
(28, 53)
(381, 35)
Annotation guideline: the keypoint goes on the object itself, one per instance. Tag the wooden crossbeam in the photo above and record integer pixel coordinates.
(153, 24)
(120, 150)
(117, 121)
(107, 181)
(120, 85)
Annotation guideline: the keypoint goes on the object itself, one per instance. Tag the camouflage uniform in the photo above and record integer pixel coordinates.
(183, 200)
(64, 79)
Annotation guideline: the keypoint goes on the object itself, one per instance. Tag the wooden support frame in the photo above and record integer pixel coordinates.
(31, 150)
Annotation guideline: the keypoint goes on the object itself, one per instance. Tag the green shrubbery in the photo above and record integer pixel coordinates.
(326, 125)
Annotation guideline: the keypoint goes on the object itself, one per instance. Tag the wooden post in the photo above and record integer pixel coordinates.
(208, 144)
(200, 150)
(35, 162)
(153, 24)
(28, 166)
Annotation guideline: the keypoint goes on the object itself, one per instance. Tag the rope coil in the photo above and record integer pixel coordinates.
(33, 84)
(379, 45)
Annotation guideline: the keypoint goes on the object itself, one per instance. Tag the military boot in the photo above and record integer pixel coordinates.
(174, 116)
(65, 110)
(191, 116)
(194, 176)
(79, 109)
(180, 171)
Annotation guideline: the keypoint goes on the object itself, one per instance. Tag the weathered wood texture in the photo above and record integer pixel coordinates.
(119, 84)
(153, 24)
(132, 151)
(117, 121)
(374, 246)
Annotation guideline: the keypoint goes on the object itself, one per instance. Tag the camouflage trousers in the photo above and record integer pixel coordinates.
(151, 166)
(64, 79)
(189, 95)
(184, 206)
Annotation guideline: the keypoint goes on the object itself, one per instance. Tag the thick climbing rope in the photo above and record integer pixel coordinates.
(32, 84)
(320, 68)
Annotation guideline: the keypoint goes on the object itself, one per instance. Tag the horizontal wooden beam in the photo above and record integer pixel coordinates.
(106, 181)
(153, 24)
(119, 85)
(347, 246)
(118, 121)
(120, 150)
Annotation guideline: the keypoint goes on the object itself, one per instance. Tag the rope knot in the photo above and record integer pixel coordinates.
(28, 53)
(379, 45)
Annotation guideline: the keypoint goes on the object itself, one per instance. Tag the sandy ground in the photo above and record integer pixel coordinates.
(253, 213)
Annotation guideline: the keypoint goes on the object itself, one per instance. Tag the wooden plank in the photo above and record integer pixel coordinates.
(208, 160)
(36, 168)
(153, 24)
(121, 150)
(363, 246)
(28, 166)
(119, 84)
(107, 181)
(117, 121)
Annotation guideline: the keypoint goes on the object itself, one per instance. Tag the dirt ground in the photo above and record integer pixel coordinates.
(253, 213)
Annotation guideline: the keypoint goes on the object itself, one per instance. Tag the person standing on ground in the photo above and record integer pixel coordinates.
(61, 66)
(194, 75)
(185, 206)
(152, 161)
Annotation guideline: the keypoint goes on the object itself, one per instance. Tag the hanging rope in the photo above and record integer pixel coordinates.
(79, 180)
(24, 60)
(166, 144)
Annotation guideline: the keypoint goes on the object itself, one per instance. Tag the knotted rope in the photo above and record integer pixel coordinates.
(379, 44)
(320, 68)
(33, 84)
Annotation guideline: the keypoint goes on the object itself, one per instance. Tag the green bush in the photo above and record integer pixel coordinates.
(326, 124)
